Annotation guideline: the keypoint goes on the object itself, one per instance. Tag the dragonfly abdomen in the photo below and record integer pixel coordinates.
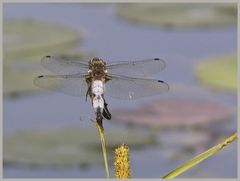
(97, 96)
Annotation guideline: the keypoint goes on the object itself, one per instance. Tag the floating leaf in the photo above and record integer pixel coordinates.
(23, 38)
(25, 43)
(177, 15)
(66, 147)
(219, 72)
(174, 113)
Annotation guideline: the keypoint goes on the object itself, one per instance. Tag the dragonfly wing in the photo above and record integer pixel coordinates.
(74, 85)
(62, 65)
(128, 88)
(142, 68)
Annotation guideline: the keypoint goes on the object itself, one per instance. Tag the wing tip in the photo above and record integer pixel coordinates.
(37, 78)
(161, 81)
(46, 57)
(162, 61)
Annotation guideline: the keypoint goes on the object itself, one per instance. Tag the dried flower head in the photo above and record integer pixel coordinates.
(121, 163)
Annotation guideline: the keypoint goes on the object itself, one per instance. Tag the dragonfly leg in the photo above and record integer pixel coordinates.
(87, 93)
(106, 112)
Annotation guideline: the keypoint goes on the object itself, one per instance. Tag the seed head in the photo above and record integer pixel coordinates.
(121, 163)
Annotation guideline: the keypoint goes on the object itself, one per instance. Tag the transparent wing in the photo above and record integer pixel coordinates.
(142, 68)
(74, 85)
(64, 65)
(122, 87)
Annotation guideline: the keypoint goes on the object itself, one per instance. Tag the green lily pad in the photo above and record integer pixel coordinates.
(25, 42)
(23, 38)
(219, 72)
(179, 14)
(67, 147)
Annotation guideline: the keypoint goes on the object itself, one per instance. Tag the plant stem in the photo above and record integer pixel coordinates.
(102, 138)
(199, 158)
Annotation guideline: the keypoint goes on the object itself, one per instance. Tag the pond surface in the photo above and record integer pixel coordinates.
(114, 39)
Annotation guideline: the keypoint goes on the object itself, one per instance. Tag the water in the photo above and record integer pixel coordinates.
(113, 39)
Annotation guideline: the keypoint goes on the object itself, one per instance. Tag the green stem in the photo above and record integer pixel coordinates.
(102, 138)
(199, 158)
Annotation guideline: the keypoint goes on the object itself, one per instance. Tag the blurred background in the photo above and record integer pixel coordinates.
(49, 135)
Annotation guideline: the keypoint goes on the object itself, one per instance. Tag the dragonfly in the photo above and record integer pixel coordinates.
(125, 80)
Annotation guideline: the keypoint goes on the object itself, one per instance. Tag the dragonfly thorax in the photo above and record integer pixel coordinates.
(97, 68)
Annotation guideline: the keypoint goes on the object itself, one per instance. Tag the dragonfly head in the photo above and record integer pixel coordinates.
(97, 66)
(96, 60)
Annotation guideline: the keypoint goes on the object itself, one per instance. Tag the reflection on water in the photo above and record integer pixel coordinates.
(111, 40)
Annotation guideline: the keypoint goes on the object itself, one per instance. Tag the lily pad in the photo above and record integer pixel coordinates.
(179, 14)
(174, 113)
(219, 72)
(67, 146)
(23, 38)
(25, 42)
